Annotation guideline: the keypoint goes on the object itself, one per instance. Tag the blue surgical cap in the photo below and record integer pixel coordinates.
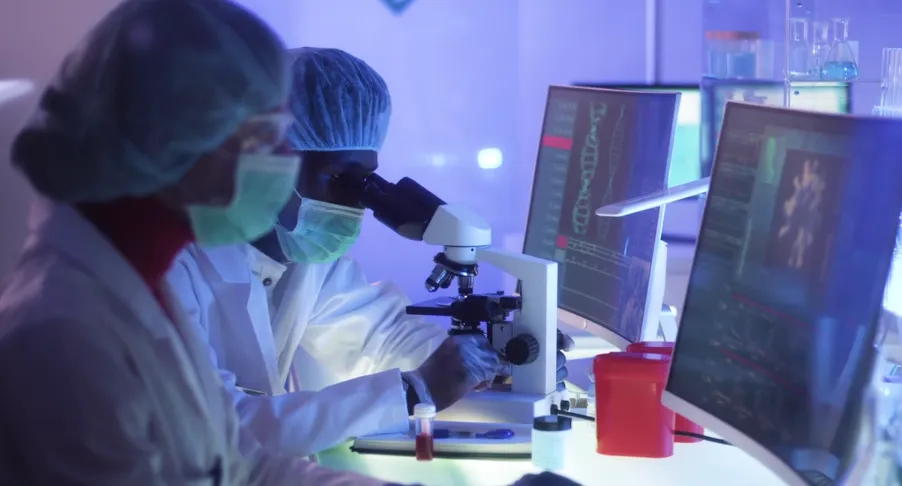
(155, 85)
(338, 101)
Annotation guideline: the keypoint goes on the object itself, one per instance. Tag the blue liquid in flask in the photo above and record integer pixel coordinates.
(839, 71)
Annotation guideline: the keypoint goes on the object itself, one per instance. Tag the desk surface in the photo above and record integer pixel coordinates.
(701, 464)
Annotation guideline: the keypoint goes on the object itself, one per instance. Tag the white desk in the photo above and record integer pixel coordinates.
(700, 464)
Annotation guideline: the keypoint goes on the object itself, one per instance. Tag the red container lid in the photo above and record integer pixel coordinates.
(653, 347)
(630, 365)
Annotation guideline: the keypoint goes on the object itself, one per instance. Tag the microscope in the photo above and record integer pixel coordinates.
(522, 328)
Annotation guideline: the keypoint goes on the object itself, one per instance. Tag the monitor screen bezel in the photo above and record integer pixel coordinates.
(685, 407)
(574, 319)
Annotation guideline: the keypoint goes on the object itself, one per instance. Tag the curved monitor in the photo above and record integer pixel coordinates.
(599, 146)
(775, 346)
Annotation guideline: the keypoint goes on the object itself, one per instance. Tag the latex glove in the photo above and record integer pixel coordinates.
(544, 479)
(460, 364)
(564, 343)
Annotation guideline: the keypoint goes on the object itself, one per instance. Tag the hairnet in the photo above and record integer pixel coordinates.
(156, 84)
(338, 101)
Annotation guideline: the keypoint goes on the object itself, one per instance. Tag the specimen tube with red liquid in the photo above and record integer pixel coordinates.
(423, 417)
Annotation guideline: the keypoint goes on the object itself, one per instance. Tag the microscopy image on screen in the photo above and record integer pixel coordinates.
(805, 215)
(599, 147)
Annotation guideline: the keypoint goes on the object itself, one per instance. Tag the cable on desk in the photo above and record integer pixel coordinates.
(701, 436)
(715, 440)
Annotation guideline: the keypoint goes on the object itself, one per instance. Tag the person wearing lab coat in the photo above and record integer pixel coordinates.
(163, 126)
(344, 347)
(290, 313)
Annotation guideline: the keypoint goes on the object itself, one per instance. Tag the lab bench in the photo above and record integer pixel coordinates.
(699, 464)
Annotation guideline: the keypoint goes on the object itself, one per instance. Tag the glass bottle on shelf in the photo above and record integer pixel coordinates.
(799, 49)
(840, 64)
(820, 47)
(732, 54)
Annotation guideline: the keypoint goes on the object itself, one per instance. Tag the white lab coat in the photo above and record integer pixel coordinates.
(337, 341)
(102, 388)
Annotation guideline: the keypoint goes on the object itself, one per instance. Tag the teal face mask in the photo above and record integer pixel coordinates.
(264, 183)
(324, 232)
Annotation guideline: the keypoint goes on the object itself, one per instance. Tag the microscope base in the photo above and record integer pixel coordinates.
(499, 407)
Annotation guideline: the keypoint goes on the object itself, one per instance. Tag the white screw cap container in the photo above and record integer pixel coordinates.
(424, 411)
(423, 416)
(550, 435)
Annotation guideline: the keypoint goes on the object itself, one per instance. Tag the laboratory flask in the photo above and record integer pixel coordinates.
(840, 64)
(799, 49)
(732, 55)
(820, 48)
(890, 83)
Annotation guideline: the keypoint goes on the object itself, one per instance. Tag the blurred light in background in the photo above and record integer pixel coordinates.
(11, 89)
(489, 158)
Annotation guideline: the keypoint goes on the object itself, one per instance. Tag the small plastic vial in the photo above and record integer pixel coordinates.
(423, 417)
(550, 435)
(590, 394)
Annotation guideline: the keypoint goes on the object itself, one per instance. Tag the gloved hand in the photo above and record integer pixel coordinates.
(544, 479)
(460, 364)
(564, 343)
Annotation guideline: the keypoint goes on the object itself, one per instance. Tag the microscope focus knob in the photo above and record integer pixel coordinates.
(521, 350)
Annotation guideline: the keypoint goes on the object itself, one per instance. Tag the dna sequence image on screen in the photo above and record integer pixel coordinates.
(775, 321)
(590, 155)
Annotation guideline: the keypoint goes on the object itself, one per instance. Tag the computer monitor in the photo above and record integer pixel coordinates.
(685, 160)
(775, 345)
(828, 97)
(599, 146)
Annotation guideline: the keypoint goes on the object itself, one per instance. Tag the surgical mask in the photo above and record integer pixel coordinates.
(263, 185)
(323, 233)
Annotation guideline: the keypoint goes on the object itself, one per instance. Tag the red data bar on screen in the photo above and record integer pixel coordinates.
(554, 141)
(562, 242)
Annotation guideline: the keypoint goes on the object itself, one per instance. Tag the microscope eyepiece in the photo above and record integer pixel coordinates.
(406, 207)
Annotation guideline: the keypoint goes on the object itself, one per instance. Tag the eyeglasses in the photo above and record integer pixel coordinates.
(264, 133)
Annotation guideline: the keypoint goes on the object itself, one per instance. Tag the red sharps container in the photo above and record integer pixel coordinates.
(682, 423)
(629, 417)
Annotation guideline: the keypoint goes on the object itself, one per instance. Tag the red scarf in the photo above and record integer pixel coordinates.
(148, 234)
